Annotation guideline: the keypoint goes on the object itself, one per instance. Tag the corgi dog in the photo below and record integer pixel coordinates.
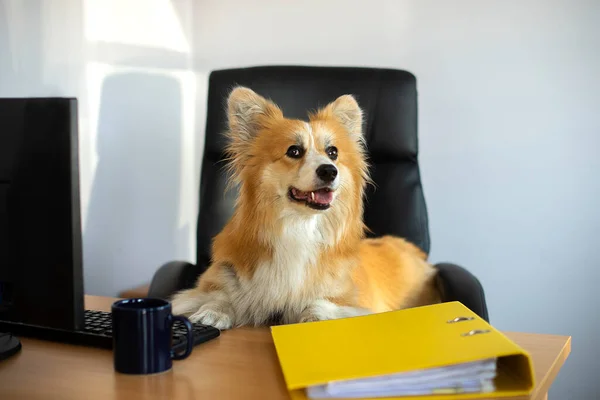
(295, 249)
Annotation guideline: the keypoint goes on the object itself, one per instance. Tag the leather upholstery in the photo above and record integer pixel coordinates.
(388, 98)
(458, 284)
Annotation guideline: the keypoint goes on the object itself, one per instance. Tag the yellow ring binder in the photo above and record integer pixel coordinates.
(400, 353)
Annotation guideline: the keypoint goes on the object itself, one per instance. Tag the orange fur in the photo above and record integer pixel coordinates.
(278, 256)
(393, 274)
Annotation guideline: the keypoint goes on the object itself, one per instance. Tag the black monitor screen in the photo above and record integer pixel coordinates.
(40, 236)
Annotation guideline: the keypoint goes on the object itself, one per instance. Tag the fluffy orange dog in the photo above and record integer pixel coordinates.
(294, 249)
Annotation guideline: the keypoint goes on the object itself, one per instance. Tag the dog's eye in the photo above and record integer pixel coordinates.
(294, 152)
(332, 152)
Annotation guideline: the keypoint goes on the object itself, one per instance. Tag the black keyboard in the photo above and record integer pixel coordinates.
(99, 323)
(98, 332)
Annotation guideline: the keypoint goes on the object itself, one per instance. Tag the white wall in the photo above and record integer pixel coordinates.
(140, 124)
(509, 132)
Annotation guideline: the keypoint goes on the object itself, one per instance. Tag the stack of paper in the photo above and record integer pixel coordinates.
(473, 377)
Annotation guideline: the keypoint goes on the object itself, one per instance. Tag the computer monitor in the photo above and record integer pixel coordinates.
(41, 272)
(41, 277)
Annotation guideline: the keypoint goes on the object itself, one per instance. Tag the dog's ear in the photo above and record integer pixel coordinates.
(248, 113)
(347, 112)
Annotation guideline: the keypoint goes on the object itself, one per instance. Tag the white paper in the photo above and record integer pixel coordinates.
(471, 377)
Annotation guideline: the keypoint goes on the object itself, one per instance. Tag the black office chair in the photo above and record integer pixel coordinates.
(397, 204)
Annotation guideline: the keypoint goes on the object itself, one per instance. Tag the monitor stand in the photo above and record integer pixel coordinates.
(9, 345)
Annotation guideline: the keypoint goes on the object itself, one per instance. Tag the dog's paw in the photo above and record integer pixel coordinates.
(319, 311)
(187, 302)
(311, 317)
(322, 310)
(219, 316)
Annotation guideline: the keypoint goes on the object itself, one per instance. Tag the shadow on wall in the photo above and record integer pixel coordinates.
(134, 201)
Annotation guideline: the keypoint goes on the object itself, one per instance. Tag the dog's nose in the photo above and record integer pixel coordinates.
(327, 172)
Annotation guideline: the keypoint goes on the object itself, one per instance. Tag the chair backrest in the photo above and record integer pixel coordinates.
(389, 99)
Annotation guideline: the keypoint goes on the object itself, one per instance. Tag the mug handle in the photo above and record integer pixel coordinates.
(189, 335)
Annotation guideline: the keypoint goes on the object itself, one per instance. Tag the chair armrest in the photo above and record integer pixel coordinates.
(172, 277)
(458, 284)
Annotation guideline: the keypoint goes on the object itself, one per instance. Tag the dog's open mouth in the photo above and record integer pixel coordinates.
(319, 199)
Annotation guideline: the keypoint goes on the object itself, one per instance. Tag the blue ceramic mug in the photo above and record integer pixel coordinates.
(142, 331)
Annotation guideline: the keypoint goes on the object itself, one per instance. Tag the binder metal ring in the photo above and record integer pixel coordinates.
(476, 332)
(460, 319)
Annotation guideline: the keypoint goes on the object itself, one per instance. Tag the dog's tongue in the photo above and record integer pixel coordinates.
(321, 197)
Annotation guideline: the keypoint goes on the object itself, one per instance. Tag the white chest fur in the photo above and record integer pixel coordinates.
(278, 285)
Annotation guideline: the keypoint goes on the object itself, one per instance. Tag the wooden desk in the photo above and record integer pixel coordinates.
(140, 291)
(241, 364)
